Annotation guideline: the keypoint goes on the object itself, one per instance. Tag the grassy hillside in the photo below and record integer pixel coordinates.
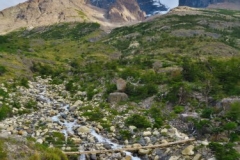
(184, 62)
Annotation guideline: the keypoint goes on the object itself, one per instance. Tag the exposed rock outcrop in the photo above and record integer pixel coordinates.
(35, 13)
(117, 97)
(149, 7)
(126, 10)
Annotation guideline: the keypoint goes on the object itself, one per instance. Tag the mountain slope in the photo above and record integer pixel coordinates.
(35, 13)
(146, 83)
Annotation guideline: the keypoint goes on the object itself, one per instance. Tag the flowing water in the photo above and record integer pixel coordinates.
(69, 126)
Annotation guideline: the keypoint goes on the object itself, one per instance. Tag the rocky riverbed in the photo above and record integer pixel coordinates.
(56, 120)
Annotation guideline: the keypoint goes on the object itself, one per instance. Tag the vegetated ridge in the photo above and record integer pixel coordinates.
(170, 78)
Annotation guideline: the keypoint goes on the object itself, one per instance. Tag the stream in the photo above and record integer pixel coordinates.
(69, 126)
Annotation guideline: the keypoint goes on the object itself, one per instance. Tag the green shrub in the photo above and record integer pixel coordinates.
(70, 86)
(36, 156)
(31, 104)
(178, 109)
(138, 121)
(24, 82)
(234, 112)
(2, 70)
(225, 151)
(125, 134)
(141, 92)
(207, 112)
(3, 93)
(155, 113)
(94, 115)
(230, 126)
(3, 154)
(50, 156)
(5, 112)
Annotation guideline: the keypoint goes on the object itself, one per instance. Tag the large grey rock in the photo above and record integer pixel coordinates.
(121, 85)
(186, 116)
(93, 157)
(117, 97)
(225, 103)
(107, 146)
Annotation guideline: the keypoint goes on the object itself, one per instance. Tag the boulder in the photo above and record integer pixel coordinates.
(117, 97)
(132, 128)
(147, 140)
(76, 140)
(39, 141)
(174, 158)
(147, 133)
(188, 151)
(225, 103)
(143, 151)
(121, 85)
(136, 145)
(164, 130)
(128, 158)
(78, 103)
(107, 146)
(93, 157)
(197, 157)
(185, 116)
(112, 129)
(83, 129)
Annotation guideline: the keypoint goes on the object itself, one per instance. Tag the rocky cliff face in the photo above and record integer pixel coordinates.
(125, 10)
(149, 7)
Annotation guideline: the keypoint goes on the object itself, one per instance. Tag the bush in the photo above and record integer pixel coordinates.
(31, 104)
(3, 93)
(3, 154)
(70, 86)
(138, 121)
(125, 134)
(94, 115)
(24, 82)
(5, 112)
(141, 92)
(178, 109)
(207, 112)
(156, 114)
(234, 112)
(2, 70)
(224, 152)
